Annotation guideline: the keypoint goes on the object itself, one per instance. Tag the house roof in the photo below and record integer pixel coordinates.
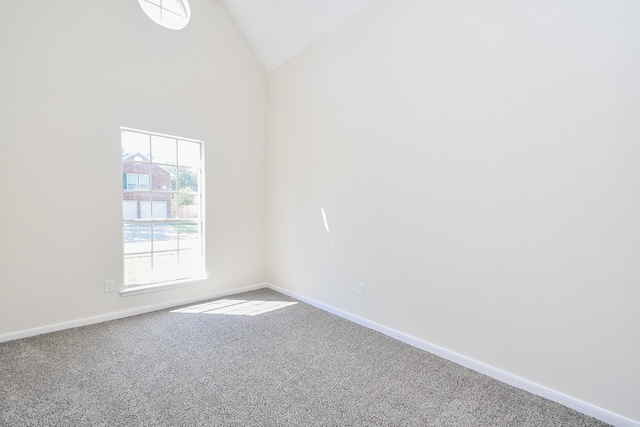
(131, 158)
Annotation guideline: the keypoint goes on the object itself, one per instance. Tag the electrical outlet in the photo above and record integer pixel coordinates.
(361, 289)
(109, 285)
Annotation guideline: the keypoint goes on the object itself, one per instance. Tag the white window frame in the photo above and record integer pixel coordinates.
(153, 284)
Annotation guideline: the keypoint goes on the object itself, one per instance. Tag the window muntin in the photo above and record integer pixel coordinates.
(162, 202)
(171, 14)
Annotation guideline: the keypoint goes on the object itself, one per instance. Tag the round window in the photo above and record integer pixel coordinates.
(172, 14)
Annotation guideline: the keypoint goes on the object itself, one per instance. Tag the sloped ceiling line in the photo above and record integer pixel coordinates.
(278, 29)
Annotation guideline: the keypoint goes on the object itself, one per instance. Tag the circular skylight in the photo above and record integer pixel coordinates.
(171, 14)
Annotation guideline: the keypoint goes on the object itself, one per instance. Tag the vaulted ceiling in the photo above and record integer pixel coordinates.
(278, 29)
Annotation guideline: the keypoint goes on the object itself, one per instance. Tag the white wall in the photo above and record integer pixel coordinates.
(479, 166)
(71, 74)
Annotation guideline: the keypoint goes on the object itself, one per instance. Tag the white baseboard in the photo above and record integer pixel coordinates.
(120, 314)
(500, 375)
(506, 377)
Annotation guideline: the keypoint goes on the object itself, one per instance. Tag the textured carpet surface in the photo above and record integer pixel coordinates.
(294, 366)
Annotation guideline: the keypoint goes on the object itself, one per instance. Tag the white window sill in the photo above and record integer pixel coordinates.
(154, 287)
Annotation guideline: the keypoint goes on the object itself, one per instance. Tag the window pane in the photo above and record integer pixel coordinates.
(174, 6)
(137, 269)
(160, 209)
(165, 237)
(188, 180)
(190, 237)
(173, 14)
(131, 175)
(129, 209)
(162, 178)
(165, 266)
(135, 143)
(137, 238)
(190, 263)
(188, 205)
(145, 209)
(132, 181)
(151, 10)
(163, 149)
(144, 181)
(189, 154)
(174, 178)
(173, 212)
(135, 204)
(172, 20)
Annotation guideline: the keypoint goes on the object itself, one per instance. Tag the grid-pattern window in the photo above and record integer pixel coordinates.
(162, 207)
(172, 14)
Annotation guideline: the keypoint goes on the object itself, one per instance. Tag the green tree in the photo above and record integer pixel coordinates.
(186, 182)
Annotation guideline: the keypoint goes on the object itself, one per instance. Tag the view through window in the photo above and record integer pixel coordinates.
(162, 200)
(172, 14)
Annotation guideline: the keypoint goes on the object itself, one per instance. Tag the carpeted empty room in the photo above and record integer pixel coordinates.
(319, 213)
(296, 365)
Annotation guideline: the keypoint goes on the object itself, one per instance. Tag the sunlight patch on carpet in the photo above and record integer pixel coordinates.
(235, 307)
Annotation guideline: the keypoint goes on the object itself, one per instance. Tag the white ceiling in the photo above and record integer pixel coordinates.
(278, 29)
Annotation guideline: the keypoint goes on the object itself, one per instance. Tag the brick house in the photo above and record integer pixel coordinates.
(138, 177)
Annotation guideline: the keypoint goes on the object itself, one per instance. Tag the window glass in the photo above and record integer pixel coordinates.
(137, 238)
(137, 268)
(136, 143)
(175, 6)
(144, 181)
(187, 180)
(189, 153)
(171, 14)
(132, 181)
(157, 187)
(164, 150)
